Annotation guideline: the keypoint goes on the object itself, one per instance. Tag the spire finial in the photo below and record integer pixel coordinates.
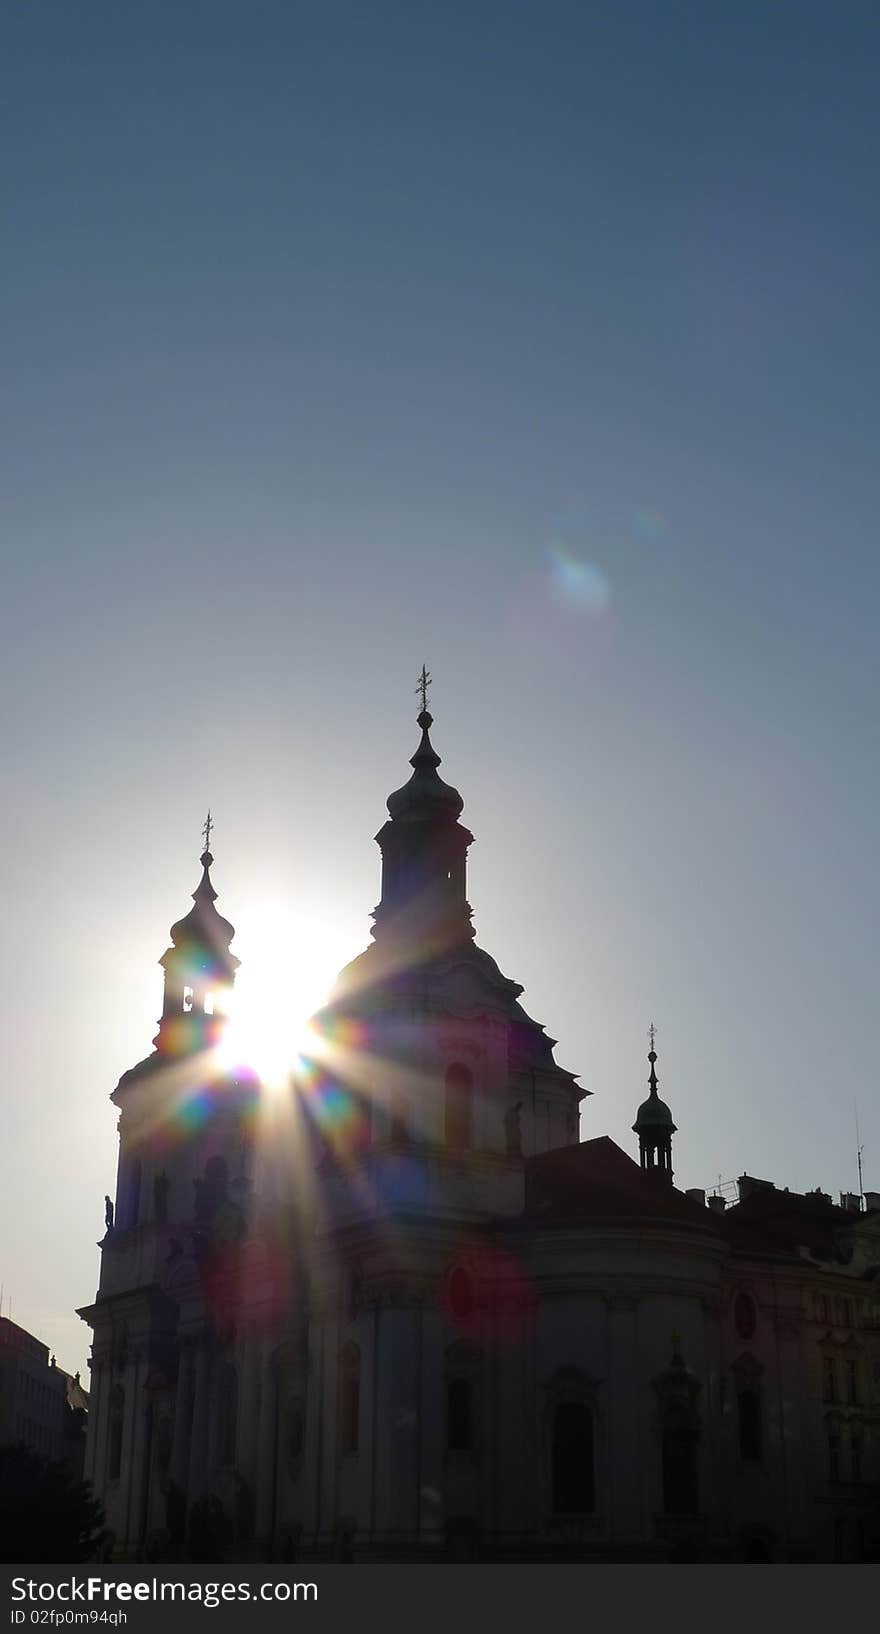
(207, 826)
(652, 1056)
(422, 688)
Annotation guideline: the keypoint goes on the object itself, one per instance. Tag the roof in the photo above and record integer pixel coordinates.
(784, 1221)
(596, 1180)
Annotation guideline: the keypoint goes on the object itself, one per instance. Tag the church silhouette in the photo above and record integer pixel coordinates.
(401, 1312)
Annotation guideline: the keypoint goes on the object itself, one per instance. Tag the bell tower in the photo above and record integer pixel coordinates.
(199, 971)
(423, 909)
(654, 1125)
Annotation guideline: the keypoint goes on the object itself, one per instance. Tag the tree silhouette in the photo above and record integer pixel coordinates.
(47, 1516)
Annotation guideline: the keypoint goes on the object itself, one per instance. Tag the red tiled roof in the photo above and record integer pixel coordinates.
(596, 1180)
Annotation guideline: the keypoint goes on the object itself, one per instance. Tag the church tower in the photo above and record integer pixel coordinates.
(433, 1089)
(178, 1320)
(654, 1125)
(424, 1032)
(423, 909)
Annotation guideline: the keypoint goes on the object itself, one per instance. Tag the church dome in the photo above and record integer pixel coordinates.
(203, 926)
(653, 1113)
(425, 794)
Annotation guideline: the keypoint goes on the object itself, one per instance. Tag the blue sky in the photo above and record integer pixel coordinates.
(538, 343)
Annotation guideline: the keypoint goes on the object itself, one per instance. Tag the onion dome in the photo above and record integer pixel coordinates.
(199, 971)
(203, 927)
(653, 1113)
(425, 794)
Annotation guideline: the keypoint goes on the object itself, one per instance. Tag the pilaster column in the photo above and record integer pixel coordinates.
(397, 1418)
(99, 1476)
(249, 1404)
(620, 1473)
(132, 1464)
(182, 1419)
(267, 1454)
(199, 1443)
(96, 1403)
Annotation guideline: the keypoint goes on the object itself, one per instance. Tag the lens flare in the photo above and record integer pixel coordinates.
(578, 585)
(286, 971)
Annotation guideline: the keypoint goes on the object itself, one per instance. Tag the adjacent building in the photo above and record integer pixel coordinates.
(40, 1404)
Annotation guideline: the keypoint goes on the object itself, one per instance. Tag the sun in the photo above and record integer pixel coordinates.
(288, 967)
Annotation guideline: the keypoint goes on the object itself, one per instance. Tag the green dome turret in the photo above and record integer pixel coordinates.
(654, 1125)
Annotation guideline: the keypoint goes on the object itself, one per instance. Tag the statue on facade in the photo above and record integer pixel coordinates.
(108, 1214)
(513, 1130)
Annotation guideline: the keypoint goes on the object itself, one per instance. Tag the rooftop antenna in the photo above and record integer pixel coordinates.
(859, 1150)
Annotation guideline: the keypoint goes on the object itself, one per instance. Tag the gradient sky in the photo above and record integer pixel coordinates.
(534, 341)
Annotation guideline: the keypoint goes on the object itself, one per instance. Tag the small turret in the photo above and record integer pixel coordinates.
(654, 1125)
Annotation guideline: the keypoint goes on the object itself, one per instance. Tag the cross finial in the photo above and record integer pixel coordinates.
(206, 830)
(424, 683)
(652, 1034)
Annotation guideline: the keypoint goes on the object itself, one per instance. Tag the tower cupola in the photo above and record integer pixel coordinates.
(424, 856)
(654, 1125)
(199, 971)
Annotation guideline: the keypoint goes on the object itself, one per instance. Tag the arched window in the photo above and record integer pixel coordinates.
(749, 1404)
(460, 1295)
(459, 1107)
(399, 1128)
(744, 1317)
(349, 1399)
(114, 1442)
(573, 1475)
(459, 1415)
(228, 1404)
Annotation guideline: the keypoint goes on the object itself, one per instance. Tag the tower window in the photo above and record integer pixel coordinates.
(833, 1457)
(829, 1380)
(459, 1107)
(208, 1005)
(856, 1457)
(188, 996)
(852, 1381)
(574, 1485)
